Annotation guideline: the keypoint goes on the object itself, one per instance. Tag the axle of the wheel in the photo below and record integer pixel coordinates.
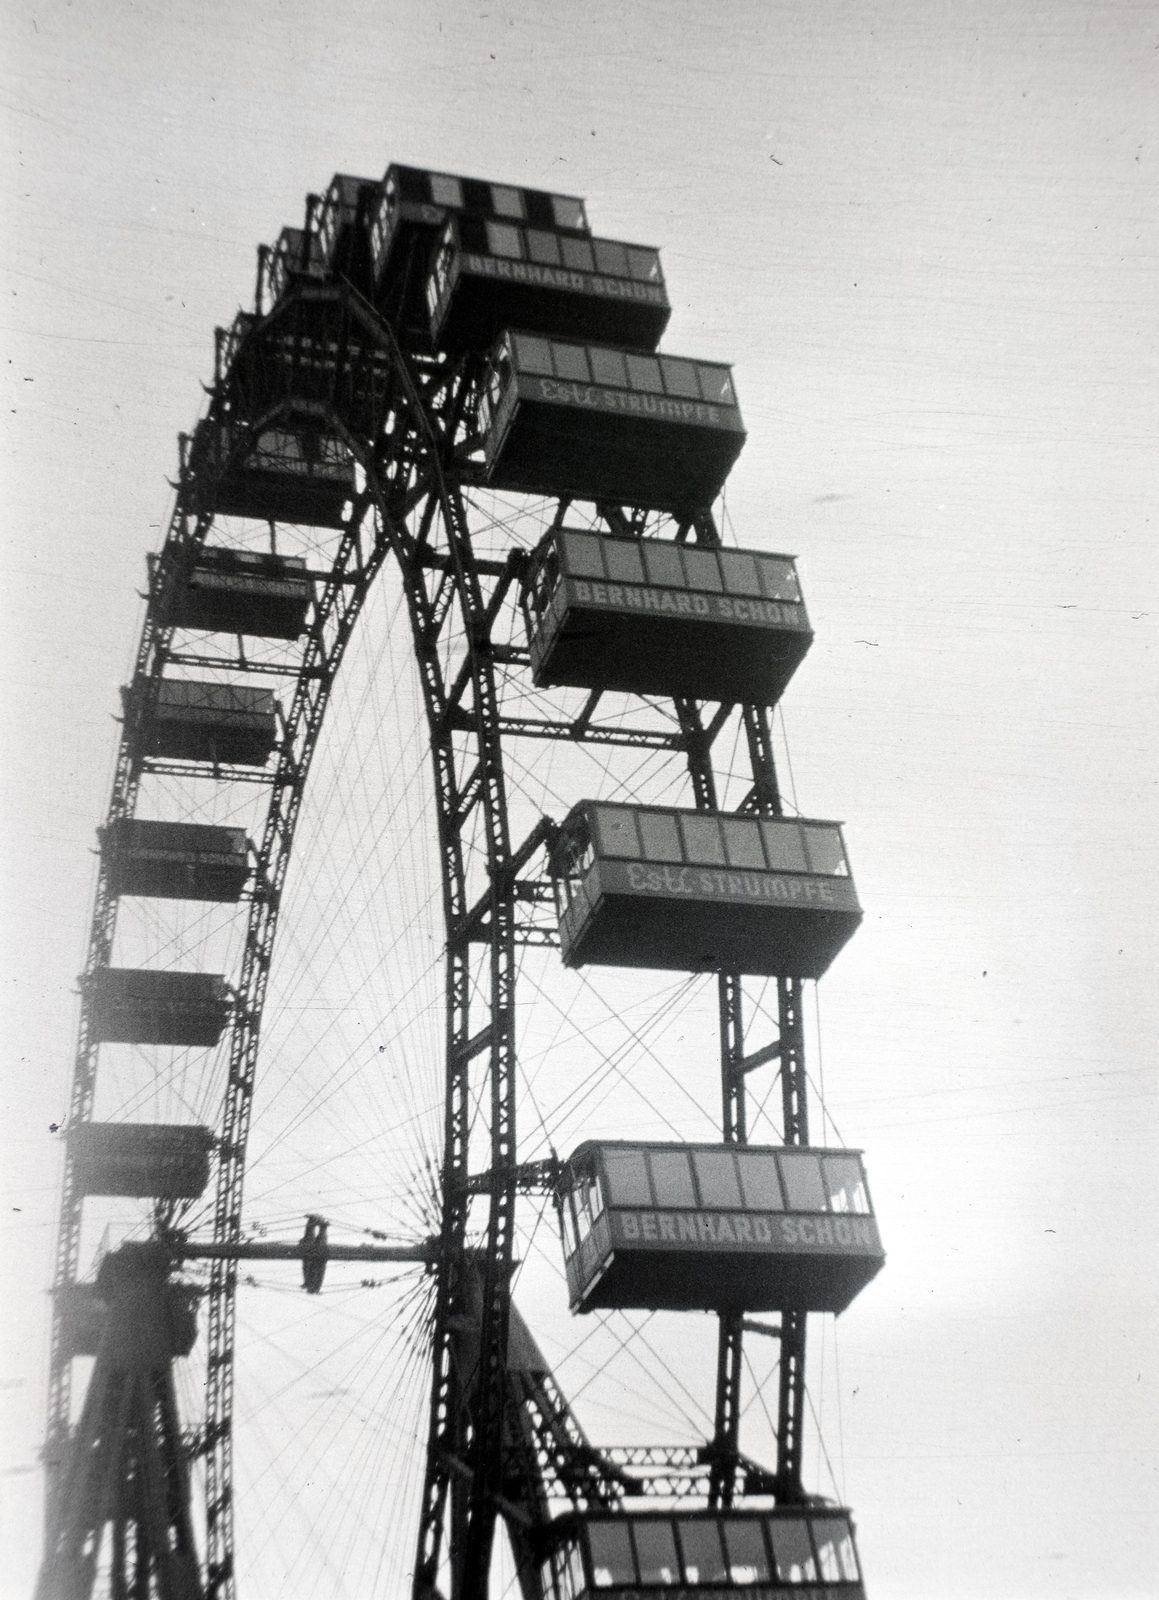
(257, 1250)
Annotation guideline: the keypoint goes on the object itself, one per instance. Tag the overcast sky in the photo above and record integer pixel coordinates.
(925, 235)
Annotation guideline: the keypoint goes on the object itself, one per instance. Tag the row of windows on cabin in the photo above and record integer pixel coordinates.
(757, 1180)
(470, 198)
(701, 1550)
(439, 275)
(175, 695)
(339, 209)
(677, 376)
(774, 844)
(442, 189)
(279, 450)
(674, 566)
(343, 190)
(563, 1574)
(259, 561)
(332, 220)
(295, 251)
(229, 346)
(195, 841)
(607, 256)
(541, 582)
(719, 1180)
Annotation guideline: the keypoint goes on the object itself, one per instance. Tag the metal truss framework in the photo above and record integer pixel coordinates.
(502, 1440)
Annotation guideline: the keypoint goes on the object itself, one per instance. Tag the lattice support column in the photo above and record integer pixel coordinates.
(726, 1430)
(791, 1409)
(732, 1063)
(794, 1083)
(795, 1111)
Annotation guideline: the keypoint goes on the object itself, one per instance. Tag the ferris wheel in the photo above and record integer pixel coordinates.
(536, 1037)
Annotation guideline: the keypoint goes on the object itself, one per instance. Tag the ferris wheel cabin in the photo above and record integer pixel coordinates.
(487, 275)
(136, 1005)
(667, 1227)
(143, 1160)
(85, 1307)
(175, 860)
(243, 591)
(650, 616)
(791, 1554)
(343, 218)
(297, 253)
(689, 891)
(414, 204)
(602, 424)
(226, 724)
(302, 475)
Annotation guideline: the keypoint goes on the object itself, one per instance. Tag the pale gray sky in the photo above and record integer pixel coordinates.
(925, 234)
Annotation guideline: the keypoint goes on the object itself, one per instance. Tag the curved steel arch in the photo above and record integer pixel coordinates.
(401, 466)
